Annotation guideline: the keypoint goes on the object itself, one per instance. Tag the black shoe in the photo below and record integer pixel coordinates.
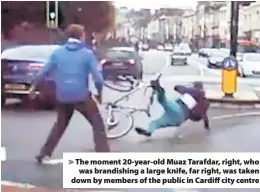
(142, 131)
(41, 157)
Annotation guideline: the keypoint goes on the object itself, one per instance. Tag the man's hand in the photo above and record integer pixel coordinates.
(98, 98)
(155, 84)
(32, 94)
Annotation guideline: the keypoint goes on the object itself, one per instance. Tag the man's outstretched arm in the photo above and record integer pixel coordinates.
(51, 64)
(96, 72)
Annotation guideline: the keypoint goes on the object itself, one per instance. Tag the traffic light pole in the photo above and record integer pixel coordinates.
(234, 27)
(233, 32)
(47, 14)
(57, 15)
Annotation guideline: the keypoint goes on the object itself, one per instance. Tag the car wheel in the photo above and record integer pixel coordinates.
(140, 76)
(241, 73)
(210, 66)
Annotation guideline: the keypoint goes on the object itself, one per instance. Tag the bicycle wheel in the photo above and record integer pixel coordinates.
(118, 124)
(120, 86)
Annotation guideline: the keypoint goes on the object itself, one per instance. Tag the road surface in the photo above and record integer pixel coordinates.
(24, 131)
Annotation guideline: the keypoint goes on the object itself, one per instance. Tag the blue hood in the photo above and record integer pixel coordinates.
(74, 46)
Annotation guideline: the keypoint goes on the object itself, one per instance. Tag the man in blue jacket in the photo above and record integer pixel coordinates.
(71, 65)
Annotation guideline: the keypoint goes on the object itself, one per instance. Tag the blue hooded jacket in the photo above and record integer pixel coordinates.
(70, 66)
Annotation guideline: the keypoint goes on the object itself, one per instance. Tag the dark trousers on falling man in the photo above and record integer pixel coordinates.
(89, 110)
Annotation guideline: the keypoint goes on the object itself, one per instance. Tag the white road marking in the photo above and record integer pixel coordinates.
(52, 161)
(15, 184)
(196, 66)
(199, 64)
(236, 115)
(3, 154)
(29, 186)
(201, 71)
(257, 89)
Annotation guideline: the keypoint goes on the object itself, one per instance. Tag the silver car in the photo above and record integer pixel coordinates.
(249, 65)
(179, 58)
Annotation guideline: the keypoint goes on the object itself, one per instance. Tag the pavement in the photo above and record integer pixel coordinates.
(24, 131)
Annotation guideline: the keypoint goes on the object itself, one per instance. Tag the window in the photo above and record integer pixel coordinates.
(119, 54)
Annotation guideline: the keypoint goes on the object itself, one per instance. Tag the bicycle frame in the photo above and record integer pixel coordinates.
(131, 109)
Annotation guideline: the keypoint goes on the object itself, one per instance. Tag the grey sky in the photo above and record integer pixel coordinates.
(155, 4)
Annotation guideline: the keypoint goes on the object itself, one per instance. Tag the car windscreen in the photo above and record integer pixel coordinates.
(30, 53)
(218, 54)
(119, 55)
(252, 58)
(179, 54)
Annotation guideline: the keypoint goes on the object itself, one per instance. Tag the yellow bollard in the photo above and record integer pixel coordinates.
(229, 76)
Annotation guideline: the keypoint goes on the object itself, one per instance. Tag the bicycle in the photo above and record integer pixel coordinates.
(113, 107)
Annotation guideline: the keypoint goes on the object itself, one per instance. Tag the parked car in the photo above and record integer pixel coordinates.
(19, 66)
(145, 47)
(249, 65)
(168, 47)
(160, 47)
(178, 58)
(204, 52)
(215, 59)
(225, 50)
(185, 47)
(122, 61)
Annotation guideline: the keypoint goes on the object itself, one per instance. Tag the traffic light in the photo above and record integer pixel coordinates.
(52, 14)
(245, 3)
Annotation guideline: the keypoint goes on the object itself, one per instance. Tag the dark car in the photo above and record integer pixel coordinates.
(204, 52)
(215, 59)
(19, 66)
(123, 61)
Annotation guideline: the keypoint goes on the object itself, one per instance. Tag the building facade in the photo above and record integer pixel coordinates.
(252, 22)
(212, 23)
(189, 25)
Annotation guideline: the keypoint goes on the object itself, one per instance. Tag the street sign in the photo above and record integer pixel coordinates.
(230, 63)
(229, 76)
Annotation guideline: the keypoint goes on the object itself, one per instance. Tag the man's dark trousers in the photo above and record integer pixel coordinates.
(89, 110)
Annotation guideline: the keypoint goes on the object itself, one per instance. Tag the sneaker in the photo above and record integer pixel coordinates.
(142, 131)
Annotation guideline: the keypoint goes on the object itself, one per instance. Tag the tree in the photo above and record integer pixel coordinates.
(96, 16)
(17, 12)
